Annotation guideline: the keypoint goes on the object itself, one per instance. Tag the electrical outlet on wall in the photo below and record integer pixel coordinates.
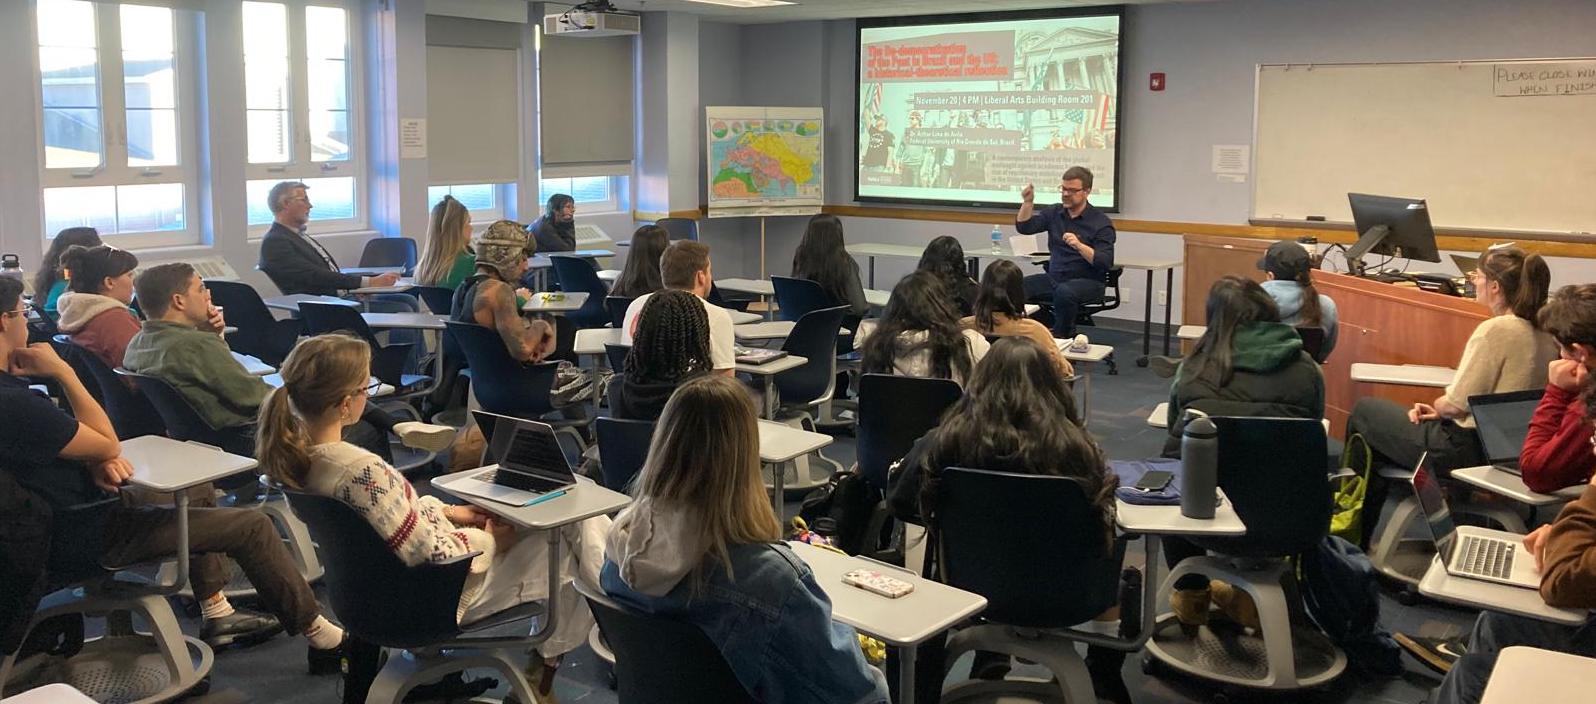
(1163, 298)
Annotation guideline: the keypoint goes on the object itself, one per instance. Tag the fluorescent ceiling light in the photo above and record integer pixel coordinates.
(745, 3)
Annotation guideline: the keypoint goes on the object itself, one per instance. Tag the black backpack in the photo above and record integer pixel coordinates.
(841, 511)
(1343, 598)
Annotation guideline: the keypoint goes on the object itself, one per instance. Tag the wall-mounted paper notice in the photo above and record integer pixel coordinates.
(1231, 178)
(1232, 158)
(412, 138)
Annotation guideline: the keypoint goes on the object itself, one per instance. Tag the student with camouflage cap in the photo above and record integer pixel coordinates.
(489, 299)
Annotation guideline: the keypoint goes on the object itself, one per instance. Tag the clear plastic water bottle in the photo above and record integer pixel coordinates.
(997, 239)
(1199, 468)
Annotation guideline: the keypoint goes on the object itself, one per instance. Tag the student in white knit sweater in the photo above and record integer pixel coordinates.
(299, 443)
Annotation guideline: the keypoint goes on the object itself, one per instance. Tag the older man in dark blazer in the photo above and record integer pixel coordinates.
(294, 261)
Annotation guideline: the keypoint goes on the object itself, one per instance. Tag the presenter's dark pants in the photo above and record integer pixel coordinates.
(1397, 442)
(1493, 631)
(1066, 295)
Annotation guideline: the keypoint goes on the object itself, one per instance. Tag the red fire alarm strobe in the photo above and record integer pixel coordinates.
(1155, 82)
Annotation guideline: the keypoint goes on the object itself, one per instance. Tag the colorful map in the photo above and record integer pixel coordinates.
(764, 159)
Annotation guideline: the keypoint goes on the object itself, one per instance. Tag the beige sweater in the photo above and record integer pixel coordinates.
(1003, 325)
(1505, 353)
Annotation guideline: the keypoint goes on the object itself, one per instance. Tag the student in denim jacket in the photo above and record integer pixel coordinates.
(701, 543)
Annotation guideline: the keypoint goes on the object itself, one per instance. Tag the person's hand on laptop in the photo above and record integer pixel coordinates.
(1566, 374)
(1535, 543)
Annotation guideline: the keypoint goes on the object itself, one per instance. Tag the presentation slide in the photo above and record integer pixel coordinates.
(966, 111)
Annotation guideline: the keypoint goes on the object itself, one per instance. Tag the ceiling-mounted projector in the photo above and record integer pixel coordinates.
(597, 18)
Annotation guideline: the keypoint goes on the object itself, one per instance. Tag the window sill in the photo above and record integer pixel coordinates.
(363, 233)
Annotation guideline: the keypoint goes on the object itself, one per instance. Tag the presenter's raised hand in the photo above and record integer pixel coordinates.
(1028, 194)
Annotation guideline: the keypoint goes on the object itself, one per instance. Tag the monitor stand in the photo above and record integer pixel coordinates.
(1367, 241)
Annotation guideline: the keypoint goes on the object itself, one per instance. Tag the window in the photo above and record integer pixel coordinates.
(118, 143)
(301, 98)
(592, 193)
(485, 200)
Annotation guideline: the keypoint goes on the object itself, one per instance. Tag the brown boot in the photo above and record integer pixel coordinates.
(1190, 606)
(1237, 605)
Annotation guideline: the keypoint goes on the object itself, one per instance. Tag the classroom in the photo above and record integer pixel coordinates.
(797, 351)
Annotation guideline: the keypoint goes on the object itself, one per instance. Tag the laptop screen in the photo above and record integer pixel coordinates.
(1503, 422)
(523, 446)
(1436, 513)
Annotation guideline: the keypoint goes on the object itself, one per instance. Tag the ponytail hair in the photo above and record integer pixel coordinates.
(91, 266)
(318, 375)
(1524, 277)
(1308, 315)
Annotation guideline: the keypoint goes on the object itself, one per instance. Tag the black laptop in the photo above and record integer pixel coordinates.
(1503, 422)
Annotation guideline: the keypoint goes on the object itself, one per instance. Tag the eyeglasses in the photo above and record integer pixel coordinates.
(19, 311)
(368, 389)
(1071, 191)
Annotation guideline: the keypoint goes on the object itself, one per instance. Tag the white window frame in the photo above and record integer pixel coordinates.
(611, 205)
(114, 169)
(503, 195)
(300, 166)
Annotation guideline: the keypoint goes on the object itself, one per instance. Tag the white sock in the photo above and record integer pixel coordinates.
(1107, 628)
(323, 635)
(216, 607)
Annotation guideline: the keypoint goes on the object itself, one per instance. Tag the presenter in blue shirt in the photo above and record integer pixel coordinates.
(1080, 243)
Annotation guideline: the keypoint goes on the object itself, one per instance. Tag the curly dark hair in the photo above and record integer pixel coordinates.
(919, 303)
(672, 339)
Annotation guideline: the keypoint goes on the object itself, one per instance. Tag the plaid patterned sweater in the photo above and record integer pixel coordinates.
(414, 527)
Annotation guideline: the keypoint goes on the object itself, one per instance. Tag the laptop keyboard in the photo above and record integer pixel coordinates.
(1487, 558)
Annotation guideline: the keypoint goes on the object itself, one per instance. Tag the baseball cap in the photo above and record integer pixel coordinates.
(1286, 260)
(503, 245)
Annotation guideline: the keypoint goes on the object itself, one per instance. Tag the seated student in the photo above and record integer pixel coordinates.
(297, 263)
(1563, 552)
(1016, 415)
(67, 461)
(51, 281)
(95, 311)
(1247, 363)
(685, 266)
(670, 348)
(555, 230)
(822, 257)
(944, 256)
(487, 299)
(1000, 310)
(700, 543)
(919, 334)
(181, 345)
(1287, 268)
(446, 257)
(1557, 450)
(640, 276)
(324, 391)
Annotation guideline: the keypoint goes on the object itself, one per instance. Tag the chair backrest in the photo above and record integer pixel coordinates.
(577, 274)
(814, 337)
(895, 411)
(42, 322)
(1312, 342)
(390, 251)
(1273, 471)
(616, 354)
(661, 660)
(1110, 293)
(131, 413)
(501, 384)
(1047, 564)
(323, 318)
(368, 585)
(623, 445)
(799, 297)
(679, 228)
(616, 306)
(183, 422)
(258, 330)
(439, 299)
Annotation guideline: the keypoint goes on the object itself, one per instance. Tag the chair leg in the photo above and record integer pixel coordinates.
(1385, 547)
(1053, 652)
(297, 535)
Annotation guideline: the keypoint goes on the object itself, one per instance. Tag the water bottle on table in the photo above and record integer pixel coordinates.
(997, 239)
(1199, 460)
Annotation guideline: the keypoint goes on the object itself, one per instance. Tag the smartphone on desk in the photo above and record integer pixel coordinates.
(873, 581)
(1154, 480)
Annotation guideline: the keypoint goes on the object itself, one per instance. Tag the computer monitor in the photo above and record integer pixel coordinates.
(1396, 227)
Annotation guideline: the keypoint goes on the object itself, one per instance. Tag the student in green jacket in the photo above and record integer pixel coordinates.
(446, 256)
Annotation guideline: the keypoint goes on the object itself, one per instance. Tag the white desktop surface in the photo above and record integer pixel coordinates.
(1441, 586)
(1524, 674)
(581, 501)
(907, 620)
(400, 286)
(779, 442)
(50, 694)
(1405, 374)
(1094, 352)
(1131, 261)
(544, 303)
(372, 270)
(771, 330)
(291, 302)
(166, 465)
(1512, 486)
(739, 317)
(1166, 520)
(1191, 332)
(253, 365)
(877, 249)
(757, 286)
(877, 297)
(592, 340)
(1159, 418)
(409, 321)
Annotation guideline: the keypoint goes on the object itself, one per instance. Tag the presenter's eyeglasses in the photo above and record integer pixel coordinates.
(1070, 191)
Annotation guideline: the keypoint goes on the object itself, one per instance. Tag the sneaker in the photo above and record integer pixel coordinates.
(242, 628)
(330, 661)
(1436, 653)
(1164, 367)
(424, 436)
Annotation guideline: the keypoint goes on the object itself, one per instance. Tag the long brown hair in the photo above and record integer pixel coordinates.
(50, 267)
(705, 458)
(641, 274)
(447, 237)
(1523, 276)
(1232, 303)
(318, 375)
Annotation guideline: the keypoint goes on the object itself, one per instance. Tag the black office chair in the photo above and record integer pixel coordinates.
(616, 306)
(623, 445)
(507, 387)
(260, 334)
(1048, 564)
(894, 412)
(661, 660)
(42, 327)
(439, 300)
(387, 361)
(797, 298)
(679, 228)
(131, 413)
(390, 252)
(184, 423)
(368, 585)
(809, 386)
(1313, 342)
(1272, 471)
(716, 298)
(616, 354)
(576, 274)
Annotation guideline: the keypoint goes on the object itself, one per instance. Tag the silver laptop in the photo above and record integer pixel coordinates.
(1503, 422)
(1469, 551)
(527, 461)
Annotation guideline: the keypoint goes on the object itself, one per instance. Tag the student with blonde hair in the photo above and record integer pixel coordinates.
(299, 443)
(446, 256)
(701, 543)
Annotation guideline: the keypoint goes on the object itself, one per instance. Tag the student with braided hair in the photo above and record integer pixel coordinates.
(685, 266)
(670, 347)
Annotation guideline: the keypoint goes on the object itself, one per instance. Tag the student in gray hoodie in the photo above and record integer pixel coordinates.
(1286, 266)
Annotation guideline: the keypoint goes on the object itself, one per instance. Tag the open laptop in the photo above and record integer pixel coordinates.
(1503, 422)
(1469, 551)
(529, 461)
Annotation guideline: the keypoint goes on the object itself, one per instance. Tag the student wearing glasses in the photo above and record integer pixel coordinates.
(1080, 244)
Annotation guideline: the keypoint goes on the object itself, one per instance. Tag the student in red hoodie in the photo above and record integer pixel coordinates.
(95, 311)
(1557, 451)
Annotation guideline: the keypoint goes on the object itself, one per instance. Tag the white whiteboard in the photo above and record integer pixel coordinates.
(1505, 145)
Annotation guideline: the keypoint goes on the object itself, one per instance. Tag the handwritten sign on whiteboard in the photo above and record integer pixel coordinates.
(1513, 80)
